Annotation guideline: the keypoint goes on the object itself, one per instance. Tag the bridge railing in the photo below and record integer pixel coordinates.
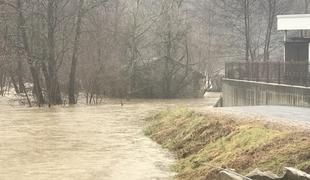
(291, 73)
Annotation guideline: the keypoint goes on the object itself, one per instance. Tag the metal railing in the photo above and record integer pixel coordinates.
(290, 73)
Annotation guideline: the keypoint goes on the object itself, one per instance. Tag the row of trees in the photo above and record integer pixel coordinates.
(55, 49)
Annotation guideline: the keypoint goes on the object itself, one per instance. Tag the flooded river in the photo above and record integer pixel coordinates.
(83, 143)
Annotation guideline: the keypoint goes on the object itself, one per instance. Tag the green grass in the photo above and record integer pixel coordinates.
(216, 139)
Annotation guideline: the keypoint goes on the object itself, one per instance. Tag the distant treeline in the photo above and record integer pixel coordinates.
(131, 48)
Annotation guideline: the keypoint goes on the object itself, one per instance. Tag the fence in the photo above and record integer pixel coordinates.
(291, 73)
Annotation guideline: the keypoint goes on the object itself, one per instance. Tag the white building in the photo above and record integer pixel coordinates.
(297, 49)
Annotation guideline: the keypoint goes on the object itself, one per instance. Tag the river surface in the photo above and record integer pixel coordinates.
(84, 142)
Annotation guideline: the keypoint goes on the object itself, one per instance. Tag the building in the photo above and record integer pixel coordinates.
(296, 49)
(274, 82)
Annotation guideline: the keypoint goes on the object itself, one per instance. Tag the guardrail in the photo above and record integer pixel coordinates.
(291, 73)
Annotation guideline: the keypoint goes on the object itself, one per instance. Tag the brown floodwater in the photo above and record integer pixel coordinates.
(83, 142)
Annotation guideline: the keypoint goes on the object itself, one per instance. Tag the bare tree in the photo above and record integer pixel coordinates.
(21, 25)
(72, 76)
(54, 91)
(272, 4)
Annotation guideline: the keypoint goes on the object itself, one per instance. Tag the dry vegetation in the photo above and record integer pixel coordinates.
(223, 140)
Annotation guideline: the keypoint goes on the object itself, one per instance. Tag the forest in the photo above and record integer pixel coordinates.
(54, 52)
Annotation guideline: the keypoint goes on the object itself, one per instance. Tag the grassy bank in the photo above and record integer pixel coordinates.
(225, 140)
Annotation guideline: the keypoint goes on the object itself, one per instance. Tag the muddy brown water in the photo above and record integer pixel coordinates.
(83, 142)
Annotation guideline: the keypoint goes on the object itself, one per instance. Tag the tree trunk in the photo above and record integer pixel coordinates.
(21, 24)
(271, 19)
(167, 78)
(45, 70)
(21, 84)
(74, 62)
(20, 74)
(54, 91)
(46, 76)
(36, 85)
(247, 29)
(14, 84)
(2, 82)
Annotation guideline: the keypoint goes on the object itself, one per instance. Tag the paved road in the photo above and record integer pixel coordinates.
(285, 115)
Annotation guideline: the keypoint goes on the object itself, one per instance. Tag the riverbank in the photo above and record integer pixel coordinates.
(214, 139)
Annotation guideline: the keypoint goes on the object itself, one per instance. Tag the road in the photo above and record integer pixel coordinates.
(293, 116)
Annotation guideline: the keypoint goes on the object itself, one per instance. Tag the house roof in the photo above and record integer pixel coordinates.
(294, 22)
